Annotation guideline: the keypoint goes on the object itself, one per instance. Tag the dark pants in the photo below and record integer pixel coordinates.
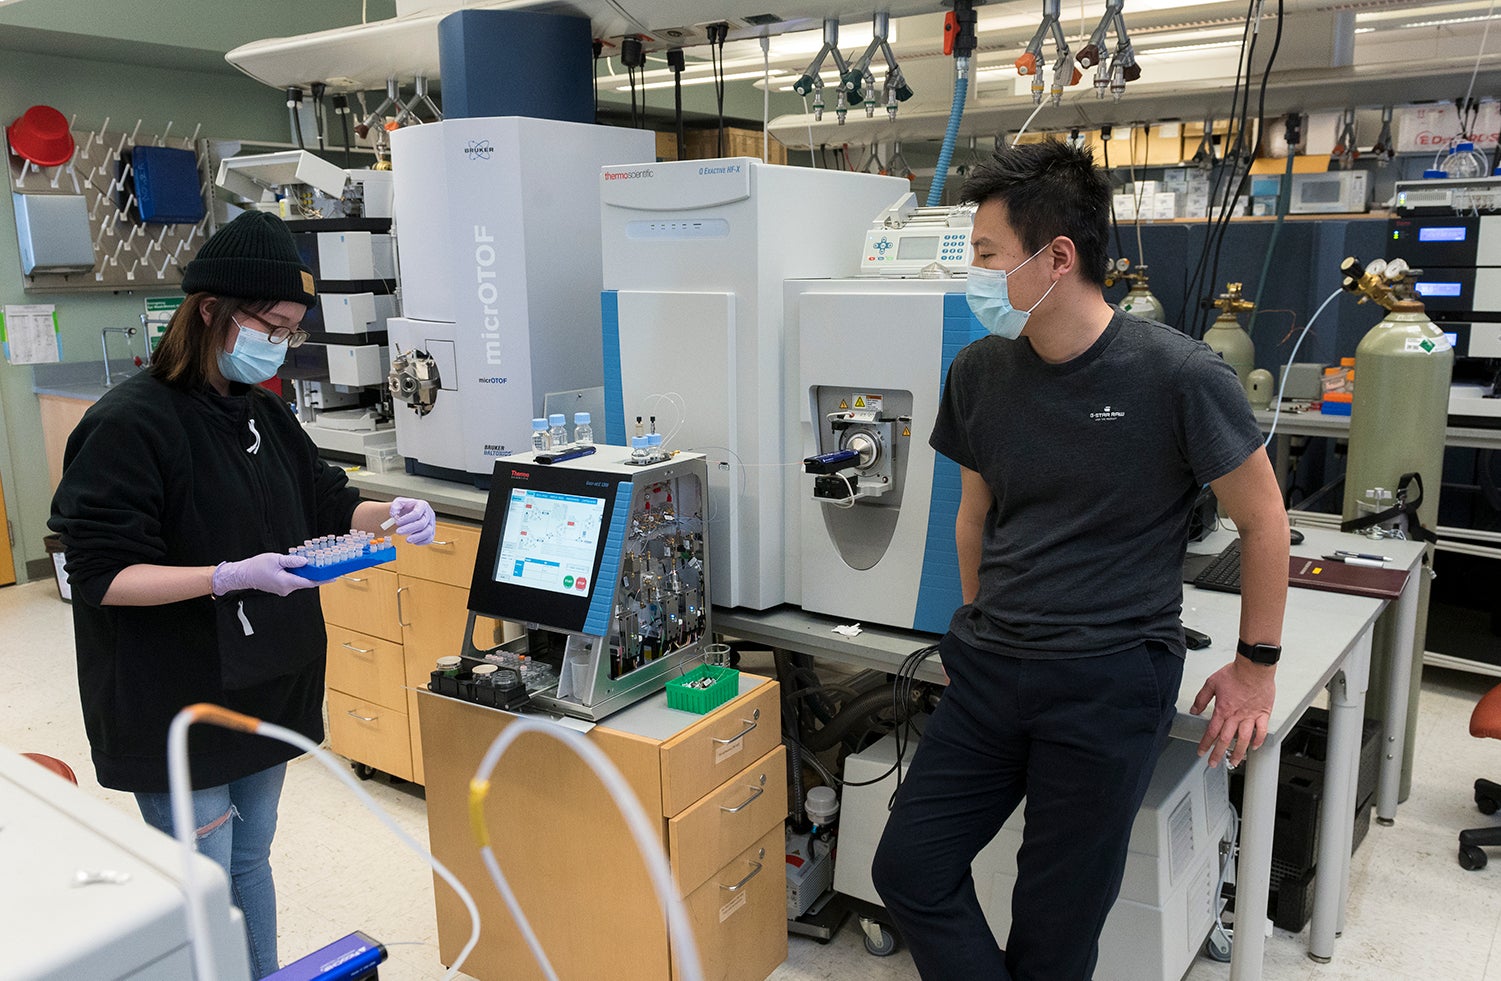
(1078, 738)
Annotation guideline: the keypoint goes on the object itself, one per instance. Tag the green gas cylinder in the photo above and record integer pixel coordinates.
(1402, 373)
(1140, 300)
(1228, 339)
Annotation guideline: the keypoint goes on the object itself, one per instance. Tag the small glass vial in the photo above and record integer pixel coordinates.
(484, 675)
(539, 435)
(639, 452)
(450, 665)
(557, 430)
(583, 433)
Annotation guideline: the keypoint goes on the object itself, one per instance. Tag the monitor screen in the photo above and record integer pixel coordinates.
(549, 541)
(1442, 233)
(913, 247)
(1438, 289)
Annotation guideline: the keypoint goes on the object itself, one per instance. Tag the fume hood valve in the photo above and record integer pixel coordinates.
(1033, 62)
(818, 103)
(849, 79)
(391, 101)
(895, 89)
(1385, 149)
(1113, 75)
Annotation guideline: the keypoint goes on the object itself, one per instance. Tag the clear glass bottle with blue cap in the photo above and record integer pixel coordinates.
(583, 433)
(539, 435)
(557, 430)
(640, 453)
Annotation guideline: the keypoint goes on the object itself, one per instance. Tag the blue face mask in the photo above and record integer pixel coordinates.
(254, 358)
(989, 300)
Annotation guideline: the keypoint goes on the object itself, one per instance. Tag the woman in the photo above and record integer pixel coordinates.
(182, 490)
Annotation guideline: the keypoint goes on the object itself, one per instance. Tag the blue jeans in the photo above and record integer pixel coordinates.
(1078, 737)
(236, 823)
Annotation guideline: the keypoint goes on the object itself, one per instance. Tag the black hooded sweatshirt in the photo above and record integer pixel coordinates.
(165, 476)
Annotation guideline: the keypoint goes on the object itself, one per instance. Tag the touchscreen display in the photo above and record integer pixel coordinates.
(549, 541)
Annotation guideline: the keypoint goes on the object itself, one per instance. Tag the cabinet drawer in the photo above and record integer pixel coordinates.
(366, 667)
(728, 820)
(448, 558)
(708, 753)
(739, 916)
(365, 601)
(369, 733)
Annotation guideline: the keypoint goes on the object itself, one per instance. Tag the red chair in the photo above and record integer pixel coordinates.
(54, 764)
(1485, 723)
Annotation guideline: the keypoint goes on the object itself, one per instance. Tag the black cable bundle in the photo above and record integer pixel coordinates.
(294, 103)
(599, 48)
(717, 35)
(1217, 225)
(341, 109)
(676, 63)
(319, 120)
(901, 704)
(633, 56)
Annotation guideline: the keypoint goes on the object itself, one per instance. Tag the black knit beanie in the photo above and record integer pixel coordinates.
(252, 258)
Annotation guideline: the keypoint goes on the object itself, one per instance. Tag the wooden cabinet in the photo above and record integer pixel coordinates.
(59, 416)
(569, 857)
(387, 626)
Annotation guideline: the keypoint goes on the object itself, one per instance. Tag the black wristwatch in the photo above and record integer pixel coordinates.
(1259, 653)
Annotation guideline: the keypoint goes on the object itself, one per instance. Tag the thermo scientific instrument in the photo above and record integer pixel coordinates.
(72, 859)
(1168, 898)
(497, 226)
(695, 255)
(605, 560)
(875, 506)
(1458, 261)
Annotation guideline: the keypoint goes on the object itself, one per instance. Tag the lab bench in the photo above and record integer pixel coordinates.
(714, 787)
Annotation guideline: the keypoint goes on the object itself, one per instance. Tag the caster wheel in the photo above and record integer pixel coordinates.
(1487, 805)
(883, 944)
(1217, 947)
(1471, 859)
(363, 771)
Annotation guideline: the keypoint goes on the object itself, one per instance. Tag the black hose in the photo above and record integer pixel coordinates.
(795, 767)
(857, 710)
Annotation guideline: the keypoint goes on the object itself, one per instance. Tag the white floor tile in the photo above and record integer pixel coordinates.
(1414, 913)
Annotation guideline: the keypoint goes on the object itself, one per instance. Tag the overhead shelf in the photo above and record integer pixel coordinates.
(1301, 90)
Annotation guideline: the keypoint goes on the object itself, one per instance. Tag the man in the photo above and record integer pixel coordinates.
(1083, 435)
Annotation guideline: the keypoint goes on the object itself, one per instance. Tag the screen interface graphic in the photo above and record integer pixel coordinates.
(550, 541)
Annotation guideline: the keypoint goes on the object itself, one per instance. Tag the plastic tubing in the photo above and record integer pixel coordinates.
(647, 838)
(1277, 413)
(951, 135)
(185, 828)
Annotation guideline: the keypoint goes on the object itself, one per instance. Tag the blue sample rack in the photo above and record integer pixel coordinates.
(371, 555)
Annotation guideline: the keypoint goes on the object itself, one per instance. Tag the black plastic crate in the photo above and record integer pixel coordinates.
(1300, 786)
(510, 696)
(1290, 903)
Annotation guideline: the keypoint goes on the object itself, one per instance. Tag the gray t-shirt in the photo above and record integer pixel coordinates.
(1094, 464)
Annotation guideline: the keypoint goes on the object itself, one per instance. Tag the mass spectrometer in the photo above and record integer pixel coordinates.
(340, 221)
(603, 557)
(695, 255)
(876, 506)
(497, 225)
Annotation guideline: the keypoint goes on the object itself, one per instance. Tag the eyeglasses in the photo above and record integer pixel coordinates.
(290, 336)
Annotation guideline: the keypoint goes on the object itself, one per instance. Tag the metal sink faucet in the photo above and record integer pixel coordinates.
(104, 333)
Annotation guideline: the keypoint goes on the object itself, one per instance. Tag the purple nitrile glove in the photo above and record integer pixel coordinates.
(266, 572)
(414, 519)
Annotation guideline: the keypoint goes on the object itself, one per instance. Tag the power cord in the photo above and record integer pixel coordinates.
(718, 33)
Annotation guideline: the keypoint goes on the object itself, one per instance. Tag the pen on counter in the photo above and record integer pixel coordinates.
(1374, 562)
(1362, 555)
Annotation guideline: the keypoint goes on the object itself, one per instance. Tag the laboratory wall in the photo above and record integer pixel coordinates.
(227, 105)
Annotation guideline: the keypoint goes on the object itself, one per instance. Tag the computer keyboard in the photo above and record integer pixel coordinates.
(1223, 573)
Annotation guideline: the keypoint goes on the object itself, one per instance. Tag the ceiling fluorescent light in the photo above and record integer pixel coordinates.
(1442, 22)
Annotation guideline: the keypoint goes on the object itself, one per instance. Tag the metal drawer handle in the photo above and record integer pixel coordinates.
(400, 614)
(359, 650)
(362, 718)
(755, 871)
(437, 542)
(756, 792)
(743, 732)
(352, 579)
